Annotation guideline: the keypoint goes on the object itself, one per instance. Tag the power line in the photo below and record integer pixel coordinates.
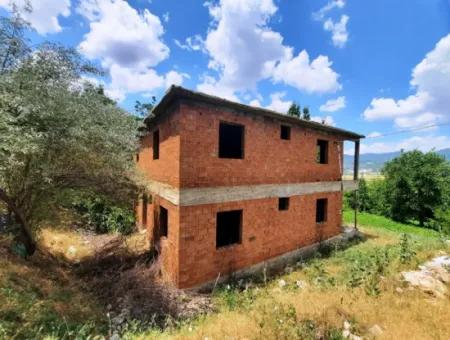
(408, 130)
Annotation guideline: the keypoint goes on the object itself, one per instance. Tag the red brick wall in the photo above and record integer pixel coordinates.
(268, 159)
(166, 169)
(266, 232)
(189, 158)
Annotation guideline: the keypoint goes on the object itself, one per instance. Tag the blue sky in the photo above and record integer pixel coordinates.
(374, 67)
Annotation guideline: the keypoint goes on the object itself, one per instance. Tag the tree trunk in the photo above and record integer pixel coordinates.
(26, 236)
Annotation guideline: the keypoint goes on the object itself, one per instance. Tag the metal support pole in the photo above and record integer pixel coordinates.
(355, 178)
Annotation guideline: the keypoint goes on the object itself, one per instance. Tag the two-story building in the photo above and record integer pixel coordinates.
(230, 185)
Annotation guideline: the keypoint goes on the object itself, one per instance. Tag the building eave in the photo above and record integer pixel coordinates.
(175, 93)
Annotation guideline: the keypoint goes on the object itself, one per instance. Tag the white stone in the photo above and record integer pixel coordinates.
(301, 284)
(399, 290)
(281, 283)
(355, 337)
(375, 330)
(431, 276)
(346, 333)
(347, 325)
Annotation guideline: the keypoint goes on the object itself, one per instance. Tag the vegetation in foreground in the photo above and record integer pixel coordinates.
(359, 284)
(414, 188)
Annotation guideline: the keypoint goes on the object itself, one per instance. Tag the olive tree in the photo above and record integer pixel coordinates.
(59, 132)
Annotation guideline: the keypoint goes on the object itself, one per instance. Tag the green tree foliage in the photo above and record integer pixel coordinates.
(103, 216)
(416, 183)
(142, 110)
(306, 115)
(364, 199)
(13, 43)
(59, 132)
(294, 110)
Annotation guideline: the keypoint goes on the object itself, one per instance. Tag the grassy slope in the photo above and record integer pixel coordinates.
(271, 312)
(37, 300)
(374, 222)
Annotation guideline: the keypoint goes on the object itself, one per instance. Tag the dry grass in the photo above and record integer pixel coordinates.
(39, 297)
(408, 315)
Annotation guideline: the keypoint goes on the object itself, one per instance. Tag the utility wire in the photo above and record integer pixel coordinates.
(409, 130)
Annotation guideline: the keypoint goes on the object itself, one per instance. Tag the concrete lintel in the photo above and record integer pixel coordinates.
(198, 196)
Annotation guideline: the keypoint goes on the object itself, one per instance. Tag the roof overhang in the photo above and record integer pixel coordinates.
(175, 93)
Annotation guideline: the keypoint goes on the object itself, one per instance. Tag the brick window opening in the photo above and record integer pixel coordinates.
(285, 132)
(144, 209)
(321, 210)
(322, 151)
(163, 221)
(283, 203)
(228, 228)
(231, 141)
(137, 158)
(156, 144)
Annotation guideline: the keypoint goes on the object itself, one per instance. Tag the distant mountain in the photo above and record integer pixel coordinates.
(373, 162)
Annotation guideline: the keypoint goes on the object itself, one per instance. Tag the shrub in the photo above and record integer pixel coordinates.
(407, 253)
(102, 216)
(441, 221)
(367, 268)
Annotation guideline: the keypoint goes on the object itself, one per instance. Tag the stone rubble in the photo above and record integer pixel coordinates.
(431, 277)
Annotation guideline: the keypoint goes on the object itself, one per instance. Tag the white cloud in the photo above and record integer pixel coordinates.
(423, 143)
(255, 102)
(429, 104)
(339, 33)
(211, 86)
(338, 29)
(374, 134)
(122, 36)
(333, 105)
(174, 78)
(278, 104)
(194, 43)
(320, 14)
(327, 120)
(129, 44)
(44, 17)
(243, 49)
(316, 76)
(166, 17)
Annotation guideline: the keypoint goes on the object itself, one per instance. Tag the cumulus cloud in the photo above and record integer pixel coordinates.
(278, 104)
(423, 143)
(44, 16)
(129, 44)
(338, 29)
(314, 76)
(333, 105)
(243, 49)
(122, 36)
(339, 33)
(327, 120)
(255, 102)
(429, 104)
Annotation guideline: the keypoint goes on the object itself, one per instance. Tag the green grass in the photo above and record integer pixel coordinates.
(357, 283)
(379, 222)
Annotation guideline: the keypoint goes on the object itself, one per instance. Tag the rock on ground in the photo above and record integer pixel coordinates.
(431, 276)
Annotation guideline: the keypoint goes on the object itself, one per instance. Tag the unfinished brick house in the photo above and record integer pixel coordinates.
(231, 186)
